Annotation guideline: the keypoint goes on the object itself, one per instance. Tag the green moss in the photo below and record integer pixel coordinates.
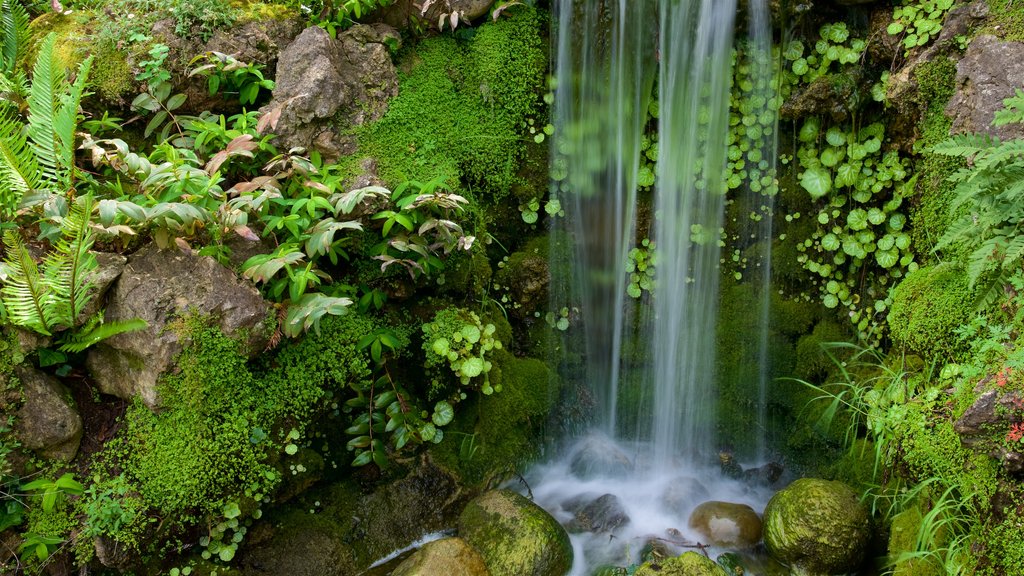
(263, 11)
(903, 539)
(462, 109)
(71, 32)
(111, 75)
(930, 213)
(689, 564)
(1004, 546)
(812, 361)
(928, 305)
(1005, 20)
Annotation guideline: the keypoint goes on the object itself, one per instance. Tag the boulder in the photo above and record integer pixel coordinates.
(727, 524)
(983, 425)
(48, 422)
(682, 494)
(327, 86)
(108, 269)
(989, 72)
(514, 536)
(816, 526)
(598, 455)
(399, 12)
(160, 287)
(604, 514)
(689, 564)
(447, 557)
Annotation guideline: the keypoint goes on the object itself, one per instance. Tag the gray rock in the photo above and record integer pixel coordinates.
(326, 86)
(987, 74)
(447, 557)
(682, 494)
(817, 527)
(109, 268)
(161, 286)
(991, 411)
(604, 514)
(727, 524)
(48, 422)
(399, 13)
(599, 456)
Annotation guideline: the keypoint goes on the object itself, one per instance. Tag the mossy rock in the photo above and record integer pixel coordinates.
(928, 305)
(903, 538)
(817, 527)
(689, 564)
(514, 536)
(448, 556)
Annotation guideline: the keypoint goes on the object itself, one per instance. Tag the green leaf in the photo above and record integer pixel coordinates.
(817, 182)
(472, 367)
(857, 219)
(887, 258)
(836, 136)
(443, 413)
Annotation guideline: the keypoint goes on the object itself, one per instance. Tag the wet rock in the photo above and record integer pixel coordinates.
(655, 551)
(987, 74)
(445, 557)
(689, 564)
(514, 536)
(598, 456)
(160, 287)
(729, 466)
(327, 86)
(993, 410)
(683, 493)
(48, 422)
(604, 514)
(817, 526)
(764, 475)
(727, 524)
(835, 95)
(527, 275)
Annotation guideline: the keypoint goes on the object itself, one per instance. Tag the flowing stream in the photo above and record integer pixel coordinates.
(636, 76)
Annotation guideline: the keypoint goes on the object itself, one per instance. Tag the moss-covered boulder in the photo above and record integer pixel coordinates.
(448, 556)
(927, 306)
(514, 536)
(689, 564)
(903, 539)
(816, 526)
(727, 524)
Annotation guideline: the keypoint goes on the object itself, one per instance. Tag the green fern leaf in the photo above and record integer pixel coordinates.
(13, 34)
(68, 267)
(79, 341)
(24, 293)
(42, 108)
(1014, 252)
(965, 145)
(1012, 150)
(18, 168)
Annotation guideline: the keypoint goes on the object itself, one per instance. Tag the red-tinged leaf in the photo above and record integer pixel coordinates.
(215, 162)
(254, 184)
(269, 120)
(183, 246)
(246, 233)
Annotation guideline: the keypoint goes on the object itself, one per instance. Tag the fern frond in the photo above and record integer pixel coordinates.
(24, 293)
(68, 267)
(1013, 110)
(42, 108)
(18, 168)
(981, 260)
(1011, 150)
(13, 34)
(65, 120)
(96, 333)
(1014, 252)
(963, 230)
(965, 145)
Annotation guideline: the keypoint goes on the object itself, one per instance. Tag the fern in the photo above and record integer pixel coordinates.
(1013, 110)
(18, 168)
(68, 267)
(97, 331)
(13, 35)
(965, 145)
(24, 292)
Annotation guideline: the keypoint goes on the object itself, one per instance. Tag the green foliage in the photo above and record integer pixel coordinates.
(13, 38)
(834, 47)
(225, 73)
(51, 493)
(201, 17)
(641, 264)
(928, 306)
(458, 340)
(37, 159)
(918, 21)
(461, 108)
(157, 100)
(334, 16)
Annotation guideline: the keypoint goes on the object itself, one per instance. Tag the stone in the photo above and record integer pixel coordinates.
(161, 287)
(726, 524)
(108, 269)
(689, 564)
(399, 12)
(816, 526)
(764, 475)
(988, 73)
(603, 514)
(992, 410)
(682, 494)
(48, 422)
(598, 456)
(514, 536)
(327, 86)
(445, 557)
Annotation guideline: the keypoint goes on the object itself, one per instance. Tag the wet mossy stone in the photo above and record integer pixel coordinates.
(514, 536)
(817, 527)
(689, 564)
(927, 307)
(447, 557)
(727, 524)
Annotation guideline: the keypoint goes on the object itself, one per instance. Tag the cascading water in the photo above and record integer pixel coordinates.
(649, 354)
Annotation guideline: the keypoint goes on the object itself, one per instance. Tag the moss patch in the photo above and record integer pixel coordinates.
(928, 305)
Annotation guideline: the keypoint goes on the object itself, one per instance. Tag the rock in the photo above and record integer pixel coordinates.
(817, 526)
(445, 557)
(325, 87)
(161, 286)
(48, 422)
(604, 514)
(835, 95)
(514, 536)
(727, 524)
(987, 74)
(598, 456)
(683, 493)
(109, 268)
(764, 475)
(729, 466)
(398, 13)
(689, 564)
(993, 410)
(527, 275)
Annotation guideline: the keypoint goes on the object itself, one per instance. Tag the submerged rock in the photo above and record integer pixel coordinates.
(682, 494)
(816, 526)
(445, 557)
(48, 421)
(514, 536)
(727, 524)
(689, 564)
(598, 456)
(161, 287)
(604, 514)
